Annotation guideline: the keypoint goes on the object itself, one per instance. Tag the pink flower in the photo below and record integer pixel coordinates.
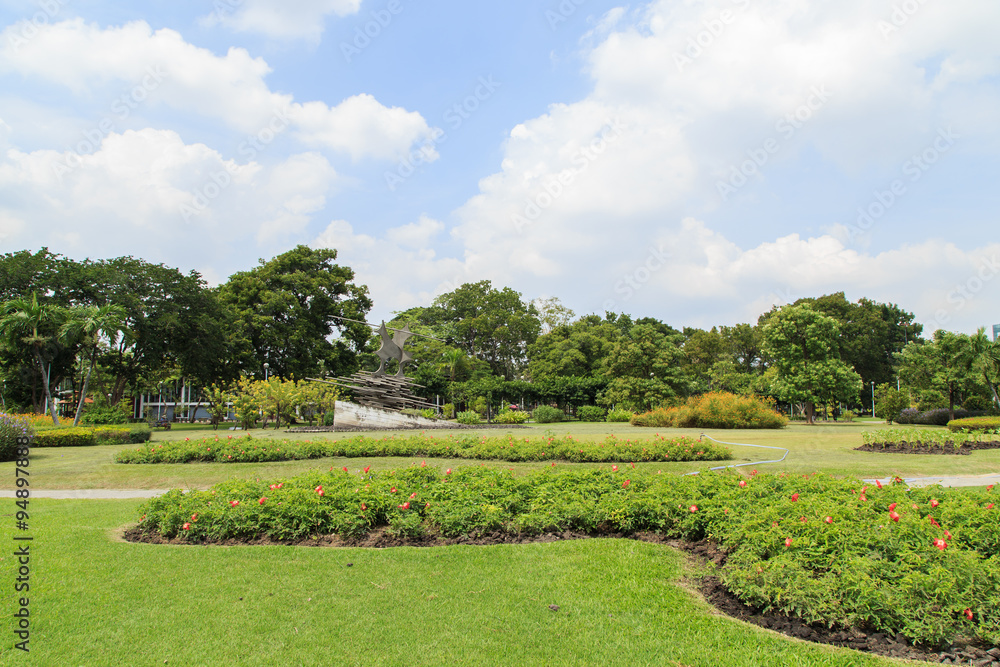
(788, 542)
(186, 526)
(392, 490)
(940, 544)
(795, 497)
(234, 503)
(406, 505)
(693, 508)
(828, 519)
(614, 468)
(413, 495)
(743, 483)
(448, 471)
(862, 498)
(423, 464)
(273, 487)
(281, 485)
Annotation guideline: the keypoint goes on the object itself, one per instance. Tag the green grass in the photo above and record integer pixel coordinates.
(99, 601)
(823, 447)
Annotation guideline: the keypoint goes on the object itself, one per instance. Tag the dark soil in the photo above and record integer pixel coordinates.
(710, 587)
(928, 448)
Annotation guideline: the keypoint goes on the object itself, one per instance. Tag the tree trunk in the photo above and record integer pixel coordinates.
(810, 412)
(951, 401)
(194, 413)
(83, 393)
(45, 383)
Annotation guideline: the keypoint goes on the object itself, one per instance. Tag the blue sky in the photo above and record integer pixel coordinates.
(694, 161)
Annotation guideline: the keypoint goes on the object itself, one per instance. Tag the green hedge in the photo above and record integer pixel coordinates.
(974, 424)
(509, 448)
(715, 410)
(921, 562)
(86, 436)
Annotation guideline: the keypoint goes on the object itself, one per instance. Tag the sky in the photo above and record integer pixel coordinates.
(696, 161)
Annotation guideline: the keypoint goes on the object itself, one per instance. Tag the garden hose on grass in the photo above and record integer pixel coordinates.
(741, 444)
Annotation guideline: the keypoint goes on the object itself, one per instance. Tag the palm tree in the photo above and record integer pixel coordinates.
(986, 360)
(454, 361)
(88, 325)
(24, 321)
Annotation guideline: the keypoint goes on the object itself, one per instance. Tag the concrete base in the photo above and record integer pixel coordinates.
(352, 414)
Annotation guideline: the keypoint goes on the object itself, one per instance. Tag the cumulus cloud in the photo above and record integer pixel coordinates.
(279, 19)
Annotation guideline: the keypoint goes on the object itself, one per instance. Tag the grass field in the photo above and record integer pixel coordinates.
(96, 600)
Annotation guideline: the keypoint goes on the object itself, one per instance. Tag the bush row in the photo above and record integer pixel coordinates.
(935, 417)
(715, 410)
(83, 436)
(508, 448)
(974, 424)
(921, 562)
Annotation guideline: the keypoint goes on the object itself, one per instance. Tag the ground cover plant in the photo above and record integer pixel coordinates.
(928, 441)
(715, 410)
(235, 449)
(921, 562)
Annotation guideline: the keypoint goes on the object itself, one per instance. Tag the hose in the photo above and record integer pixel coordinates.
(740, 444)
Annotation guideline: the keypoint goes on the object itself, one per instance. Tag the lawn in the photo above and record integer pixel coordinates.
(620, 601)
(99, 601)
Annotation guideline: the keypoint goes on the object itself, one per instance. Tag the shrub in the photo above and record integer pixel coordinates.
(715, 410)
(511, 417)
(889, 402)
(847, 416)
(976, 404)
(12, 427)
(429, 413)
(974, 424)
(546, 414)
(479, 405)
(448, 410)
(619, 416)
(99, 412)
(328, 418)
(591, 413)
(469, 417)
(908, 416)
(86, 436)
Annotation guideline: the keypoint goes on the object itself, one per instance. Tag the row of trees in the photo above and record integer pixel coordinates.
(124, 325)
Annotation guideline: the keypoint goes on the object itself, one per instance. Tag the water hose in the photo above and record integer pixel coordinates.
(741, 444)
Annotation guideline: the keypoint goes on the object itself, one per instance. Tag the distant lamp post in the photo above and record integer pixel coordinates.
(266, 367)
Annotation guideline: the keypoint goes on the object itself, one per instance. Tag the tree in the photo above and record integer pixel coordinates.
(490, 324)
(35, 325)
(88, 325)
(578, 349)
(288, 308)
(552, 314)
(943, 364)
(889, 402)
(803, 345)
(644, 368)
(986, 361)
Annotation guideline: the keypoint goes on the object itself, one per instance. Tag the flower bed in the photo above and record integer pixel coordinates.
(549, 448)
(926, 441)
(923, 562)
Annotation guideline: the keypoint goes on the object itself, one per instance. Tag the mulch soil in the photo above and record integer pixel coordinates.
(928, 448)
(710, 587)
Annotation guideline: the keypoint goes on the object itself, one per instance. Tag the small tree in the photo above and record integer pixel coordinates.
(218, 400)
(889, 402)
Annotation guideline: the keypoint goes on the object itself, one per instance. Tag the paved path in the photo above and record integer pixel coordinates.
(946, 480)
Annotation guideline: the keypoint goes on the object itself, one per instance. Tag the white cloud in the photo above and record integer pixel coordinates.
(161, 68)
(280, 19)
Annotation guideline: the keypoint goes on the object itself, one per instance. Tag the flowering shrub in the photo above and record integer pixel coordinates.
(715, 410)
(507, 448)
(827, 557)
(11, 428)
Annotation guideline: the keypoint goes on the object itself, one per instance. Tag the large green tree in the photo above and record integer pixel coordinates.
(89, 327)
(943, 364)
(986, 361)
(29, 324)
(803, 345)
(578, 349)
(289, 308)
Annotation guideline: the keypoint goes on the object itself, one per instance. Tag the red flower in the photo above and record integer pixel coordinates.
(234, 503)
(990, 487)
(423, 464)
(990, 506)
(894, 515)
(413, 495)
(281, 485)
(828, 519)
(940, 544)
(626, 483)
(262, 501)
(802, 519)
(914, 506)
(186, 526)
(892, 507)
(406, 505)
(345, 468)
(788, 542)
(934, 502)
(693, 508)
(933, 522)
(947, 534)
(743, 483)
(795, 497)
(367, 468)
(363, 507)
(273, 487)
(614, 468)
(968, 614)
(878, 483)
(448, 471)
(392, 490)
(862, 498)
(194, 517)
(753, 472)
